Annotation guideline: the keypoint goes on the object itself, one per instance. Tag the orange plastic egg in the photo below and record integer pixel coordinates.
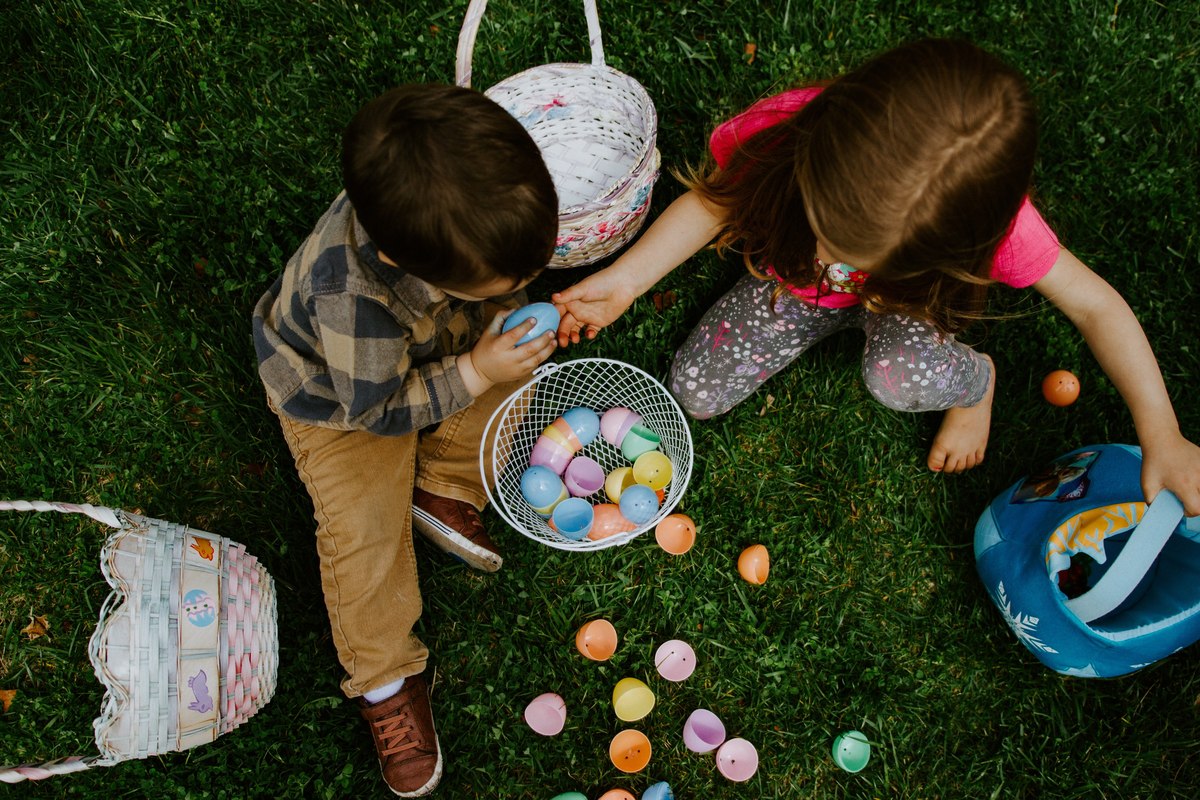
(617, 794)
(1060, 388)
(630, 751)
(754, 563)
(676, 534)
(608, 521)
(597, 640)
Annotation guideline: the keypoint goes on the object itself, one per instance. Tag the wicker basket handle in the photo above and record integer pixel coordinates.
(470, 27)
(99, 513)
(60, 766)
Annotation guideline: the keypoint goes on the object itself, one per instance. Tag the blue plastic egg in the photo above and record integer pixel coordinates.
(638, 504)
(659, 791)
(545, 314)
(573, 518)
(584, 422)
(542, 489)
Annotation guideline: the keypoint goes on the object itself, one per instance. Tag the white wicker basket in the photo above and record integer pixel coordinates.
(187, 643)
(598, 384)
(596, 128)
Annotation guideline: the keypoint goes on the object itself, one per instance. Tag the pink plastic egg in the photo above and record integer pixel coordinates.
(737, 760)
(616, 422)
(675, 660)
(583, 476)
(546, 714)
(549, 453)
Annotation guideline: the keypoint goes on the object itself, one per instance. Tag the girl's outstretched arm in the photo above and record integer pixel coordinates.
(1116, 338)
(679, 232)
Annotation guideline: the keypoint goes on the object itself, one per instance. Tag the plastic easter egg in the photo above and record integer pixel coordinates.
(851, 751)
(608, 522)
(546, 714)
(703, 731)
(616, 422)
(632, 699)
(653, 469)
(629, 751)
(583, 476)
(1060, 388)
(545, 314)
(596, 640)
(754, 563)
(618, 481)
(570, 796)
(659, 791)
(737, 760)
(639, 504)
(640, 439)
(676, 534)
(617, 794)
(675, 660)
(542, 489)
(573, 518)
(584, 422)
(561, 432)
(549, 453)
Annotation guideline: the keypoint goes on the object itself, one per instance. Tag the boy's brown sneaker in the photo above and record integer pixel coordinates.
(405, 740)
(455, 527)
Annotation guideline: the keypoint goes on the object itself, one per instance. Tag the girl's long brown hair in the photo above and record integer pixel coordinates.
(915, 164)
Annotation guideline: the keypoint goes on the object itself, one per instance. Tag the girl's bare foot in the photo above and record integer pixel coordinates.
(962, 438)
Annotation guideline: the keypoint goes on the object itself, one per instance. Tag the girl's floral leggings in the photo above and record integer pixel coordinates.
(741, 342)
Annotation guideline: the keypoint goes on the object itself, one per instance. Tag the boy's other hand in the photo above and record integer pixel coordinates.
(496, 357)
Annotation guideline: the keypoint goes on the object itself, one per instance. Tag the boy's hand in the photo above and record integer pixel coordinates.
(496, 358)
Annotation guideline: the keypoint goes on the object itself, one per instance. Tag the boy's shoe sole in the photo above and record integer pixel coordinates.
(478, 555)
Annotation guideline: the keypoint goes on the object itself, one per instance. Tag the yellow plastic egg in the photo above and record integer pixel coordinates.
(653, 469)
(618, 481)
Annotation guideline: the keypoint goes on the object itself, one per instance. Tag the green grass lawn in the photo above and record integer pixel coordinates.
(160, 160)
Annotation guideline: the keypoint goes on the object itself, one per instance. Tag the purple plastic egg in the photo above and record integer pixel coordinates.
(583, 476)
(549, 453)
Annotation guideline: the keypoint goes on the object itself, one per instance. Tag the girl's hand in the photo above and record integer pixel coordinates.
(589, 305)
(496, 358)
(1173, 464)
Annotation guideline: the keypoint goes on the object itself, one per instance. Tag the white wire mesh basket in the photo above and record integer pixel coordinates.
(599, 384)
(187, 642)
(596, 128)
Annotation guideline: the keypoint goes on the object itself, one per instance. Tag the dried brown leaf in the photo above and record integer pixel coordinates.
(38, 626)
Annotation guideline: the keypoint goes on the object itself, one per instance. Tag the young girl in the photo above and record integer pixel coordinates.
(888, 199)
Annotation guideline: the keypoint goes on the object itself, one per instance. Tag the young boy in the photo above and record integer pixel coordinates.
(381, 353)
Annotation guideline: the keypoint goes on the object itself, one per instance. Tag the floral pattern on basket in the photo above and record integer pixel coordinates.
(597, 131)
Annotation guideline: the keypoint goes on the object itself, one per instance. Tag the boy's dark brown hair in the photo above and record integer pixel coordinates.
(450, 186)
(914, 164)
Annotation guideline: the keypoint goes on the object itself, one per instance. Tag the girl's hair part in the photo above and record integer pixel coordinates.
(449, 186)
(914, 165)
